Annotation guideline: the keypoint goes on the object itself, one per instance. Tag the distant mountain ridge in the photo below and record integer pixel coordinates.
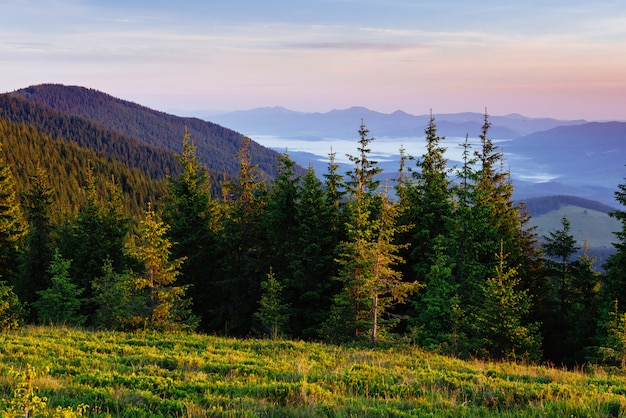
(216, 146)
(546, 156)
(345, 123)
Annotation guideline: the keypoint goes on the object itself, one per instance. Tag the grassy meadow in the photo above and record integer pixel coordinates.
(188, 375)
(589, 225)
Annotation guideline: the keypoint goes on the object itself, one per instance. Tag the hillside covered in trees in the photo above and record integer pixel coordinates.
(449, 263)
(215, 144)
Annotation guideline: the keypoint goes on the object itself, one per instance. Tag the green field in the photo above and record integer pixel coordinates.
(152, 374)
(595, 227)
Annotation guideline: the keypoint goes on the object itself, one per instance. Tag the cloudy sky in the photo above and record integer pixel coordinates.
(553, 58)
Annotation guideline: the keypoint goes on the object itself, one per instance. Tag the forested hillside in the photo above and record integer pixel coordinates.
(67, 164)
(61, 126)
(215, 144)
(450, 264)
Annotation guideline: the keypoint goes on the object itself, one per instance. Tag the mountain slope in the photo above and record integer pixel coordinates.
(216, 146)
(149, 159)
(344, 124)
(66, 165)
(593, 153)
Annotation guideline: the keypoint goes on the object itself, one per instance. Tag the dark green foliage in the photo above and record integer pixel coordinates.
(13, 226)
(60, 303)
(501, 317)
(426, 202)
(437, 311)
(272, 313)
(115, 299)
(98, 233)
(243, 241)
(194, 220)
(301, 239)
(66, 165)
(571, 298)
(312, 264)
(38, 202)
(11, 312)
(151, 129)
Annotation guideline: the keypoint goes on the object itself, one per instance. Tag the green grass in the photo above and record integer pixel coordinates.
(151, 374)
(586, 224)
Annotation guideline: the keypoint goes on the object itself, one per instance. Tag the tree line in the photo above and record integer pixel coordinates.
(443, 258)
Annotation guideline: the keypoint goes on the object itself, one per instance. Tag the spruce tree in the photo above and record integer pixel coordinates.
(166, 306)
(314, 265)
(115, 298)
(501, 322)
(11, 311)
(272, 312)
(193, 216)
(243, 239)
(13, 226)
(35, 260)
(426, 199)
(60, 303)
(367, 259)
(97, 233)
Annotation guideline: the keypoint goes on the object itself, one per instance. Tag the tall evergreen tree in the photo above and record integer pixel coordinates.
(166, 305)
(615, 282)
(242, 265)
(37, 255)
(368, 256)
(13, 226)
(98, 233)
(193, 216)
(426, 200)
(314, 265)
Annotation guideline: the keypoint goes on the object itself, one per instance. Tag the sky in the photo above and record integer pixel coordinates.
(552, 58)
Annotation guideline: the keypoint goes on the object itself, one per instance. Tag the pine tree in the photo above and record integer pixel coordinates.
(559, 247)
(438, 311)
(615, 282)
(371, 285)
(272, 312)
(500, 321)
(426, 200)
(583, 311)
(243, 237)
(36, 257)
(13, 226)
(194, 219)
(60, 303)
(98, 233)
(115, 299)
(166, 306)
(11, 311)
(301, 242)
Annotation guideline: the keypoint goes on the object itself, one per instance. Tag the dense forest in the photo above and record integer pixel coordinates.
(215, 145)
(449, 263)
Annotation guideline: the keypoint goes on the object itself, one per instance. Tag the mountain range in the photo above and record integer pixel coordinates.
(119, 122)
(545, 156)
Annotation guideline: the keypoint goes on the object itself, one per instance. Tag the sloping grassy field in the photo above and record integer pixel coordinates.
(188, 375)
(595, 227)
